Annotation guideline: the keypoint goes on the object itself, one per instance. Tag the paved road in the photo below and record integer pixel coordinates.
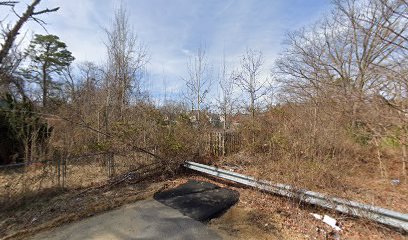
(147, 219)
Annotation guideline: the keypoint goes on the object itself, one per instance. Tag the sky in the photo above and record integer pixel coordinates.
(174, 29)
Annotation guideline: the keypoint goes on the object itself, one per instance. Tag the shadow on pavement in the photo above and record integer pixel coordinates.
(201, 201)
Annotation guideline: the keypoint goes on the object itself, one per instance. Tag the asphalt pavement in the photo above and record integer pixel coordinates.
(147, 219)
(178, 214)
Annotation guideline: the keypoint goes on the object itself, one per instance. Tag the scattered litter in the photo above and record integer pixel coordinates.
(395, 182)
(34, 219)
(328, 220)
(317, 216)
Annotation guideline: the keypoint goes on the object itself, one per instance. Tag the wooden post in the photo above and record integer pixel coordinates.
(112, 157)
(107, 160)
(64, 171)
(59, 171)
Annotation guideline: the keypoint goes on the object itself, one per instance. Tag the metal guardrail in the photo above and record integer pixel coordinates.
(381, 215)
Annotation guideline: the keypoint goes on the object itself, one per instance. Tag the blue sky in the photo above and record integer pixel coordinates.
(173, 29)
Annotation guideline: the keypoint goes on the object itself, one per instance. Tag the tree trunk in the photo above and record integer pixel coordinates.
(45, 87)
(198, 105)
(12, 34)
(99, 127)
(383, 170)
(353, 115)
(253, 107)
(253, 116)
(404, 159)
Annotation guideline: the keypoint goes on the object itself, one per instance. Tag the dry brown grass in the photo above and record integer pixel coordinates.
(318, 149)
(260, 215)
(51, 210)
(25, 182)
(355, 180)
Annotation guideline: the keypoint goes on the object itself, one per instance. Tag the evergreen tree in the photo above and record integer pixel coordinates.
(49, 57)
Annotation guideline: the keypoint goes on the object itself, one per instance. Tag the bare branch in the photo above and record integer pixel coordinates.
(45, 11)
(8, 3)
(12, 34)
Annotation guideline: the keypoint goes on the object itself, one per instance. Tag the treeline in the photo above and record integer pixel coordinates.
(343, 85)
(338, 91)
(52, 107)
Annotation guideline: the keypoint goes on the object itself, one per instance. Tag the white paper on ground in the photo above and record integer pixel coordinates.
(328, 220)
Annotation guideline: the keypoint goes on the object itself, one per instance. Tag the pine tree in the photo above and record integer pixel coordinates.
(49, 57)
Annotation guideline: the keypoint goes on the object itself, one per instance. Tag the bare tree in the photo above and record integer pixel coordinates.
(342, 58)
(10, 34)
(249, 79)
(82, 88)
(354, 60)
(381, 32)
(70, 86)
(11, 80)
(126, 58)
(10, 55)
(198, 82)
(396, 12)
(224, 100)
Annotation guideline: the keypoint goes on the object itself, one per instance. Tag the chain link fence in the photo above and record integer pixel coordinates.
(23, 180)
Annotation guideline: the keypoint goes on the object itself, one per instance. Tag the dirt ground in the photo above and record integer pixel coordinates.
(18, 183)
(256, 216)
(58, 207)
(358, 180)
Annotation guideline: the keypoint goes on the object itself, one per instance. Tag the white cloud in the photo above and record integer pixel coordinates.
(174, 29)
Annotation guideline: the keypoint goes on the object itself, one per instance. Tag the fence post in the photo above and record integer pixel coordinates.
(64, 172)
(107, 160)
(110, 164)
(112, 157)
(59, 171)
